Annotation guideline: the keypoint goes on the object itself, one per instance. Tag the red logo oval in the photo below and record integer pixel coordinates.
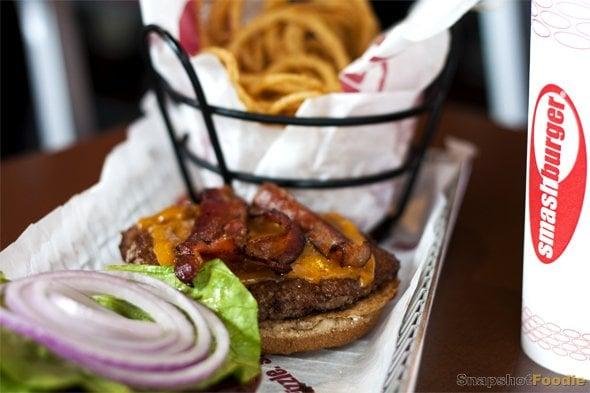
(557, 172)
(188, 28)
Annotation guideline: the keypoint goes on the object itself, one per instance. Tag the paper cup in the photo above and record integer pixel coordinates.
(556, 278)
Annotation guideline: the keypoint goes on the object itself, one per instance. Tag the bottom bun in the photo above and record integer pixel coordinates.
(328, 329)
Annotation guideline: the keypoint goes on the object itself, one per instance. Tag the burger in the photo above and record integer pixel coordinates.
(318, 281)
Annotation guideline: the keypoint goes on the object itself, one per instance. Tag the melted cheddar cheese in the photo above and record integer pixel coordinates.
(168, 229)
(173, 225)
(314, 267)
(311, 265)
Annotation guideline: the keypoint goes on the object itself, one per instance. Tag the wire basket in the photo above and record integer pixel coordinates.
(431, 105)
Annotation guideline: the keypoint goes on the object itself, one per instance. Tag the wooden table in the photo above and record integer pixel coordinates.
(475, 321)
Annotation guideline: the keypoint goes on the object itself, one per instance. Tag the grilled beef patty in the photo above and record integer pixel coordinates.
(296, 297)
(137, 247)
(287, 297)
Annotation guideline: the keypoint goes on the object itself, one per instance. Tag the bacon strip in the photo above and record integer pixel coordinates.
(219, 232)
(277, 250)
(222, 214)
(327, 239)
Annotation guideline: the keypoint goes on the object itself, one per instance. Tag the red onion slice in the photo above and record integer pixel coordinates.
(127, 333)
(184, 345)
(21, 292)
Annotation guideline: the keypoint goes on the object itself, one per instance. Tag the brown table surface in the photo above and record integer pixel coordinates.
(475, 321)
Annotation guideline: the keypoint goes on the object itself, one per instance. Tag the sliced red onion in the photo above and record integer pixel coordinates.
(177, 331)
(18, 297)
(184, 345)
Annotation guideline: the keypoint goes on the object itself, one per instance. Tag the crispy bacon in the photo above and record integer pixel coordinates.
(279, 248)
(186, 266)
(219, 232)
(327, 239)
(222, 214)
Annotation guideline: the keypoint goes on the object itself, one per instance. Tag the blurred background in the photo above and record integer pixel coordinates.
(72, 69)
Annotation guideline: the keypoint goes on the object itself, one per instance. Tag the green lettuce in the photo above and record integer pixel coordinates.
(122, 307)
(219, 289)
(26, 366)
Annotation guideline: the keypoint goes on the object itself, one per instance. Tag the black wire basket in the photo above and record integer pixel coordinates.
(431, 105)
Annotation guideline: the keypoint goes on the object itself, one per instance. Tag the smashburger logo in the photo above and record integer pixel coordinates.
(557, 172)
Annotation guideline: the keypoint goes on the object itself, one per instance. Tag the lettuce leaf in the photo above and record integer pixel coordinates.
(122, 307)
(26, 366)
(219, 289)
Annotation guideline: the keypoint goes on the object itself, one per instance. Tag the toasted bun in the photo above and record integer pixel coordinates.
(328, 329)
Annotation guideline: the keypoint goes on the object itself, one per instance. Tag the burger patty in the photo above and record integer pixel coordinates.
(137, 247)
(288, 297)
(296, 297)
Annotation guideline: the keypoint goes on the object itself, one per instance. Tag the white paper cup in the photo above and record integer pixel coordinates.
(556, 278)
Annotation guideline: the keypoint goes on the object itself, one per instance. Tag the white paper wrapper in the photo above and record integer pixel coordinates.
(140, 177)
(412, 61)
